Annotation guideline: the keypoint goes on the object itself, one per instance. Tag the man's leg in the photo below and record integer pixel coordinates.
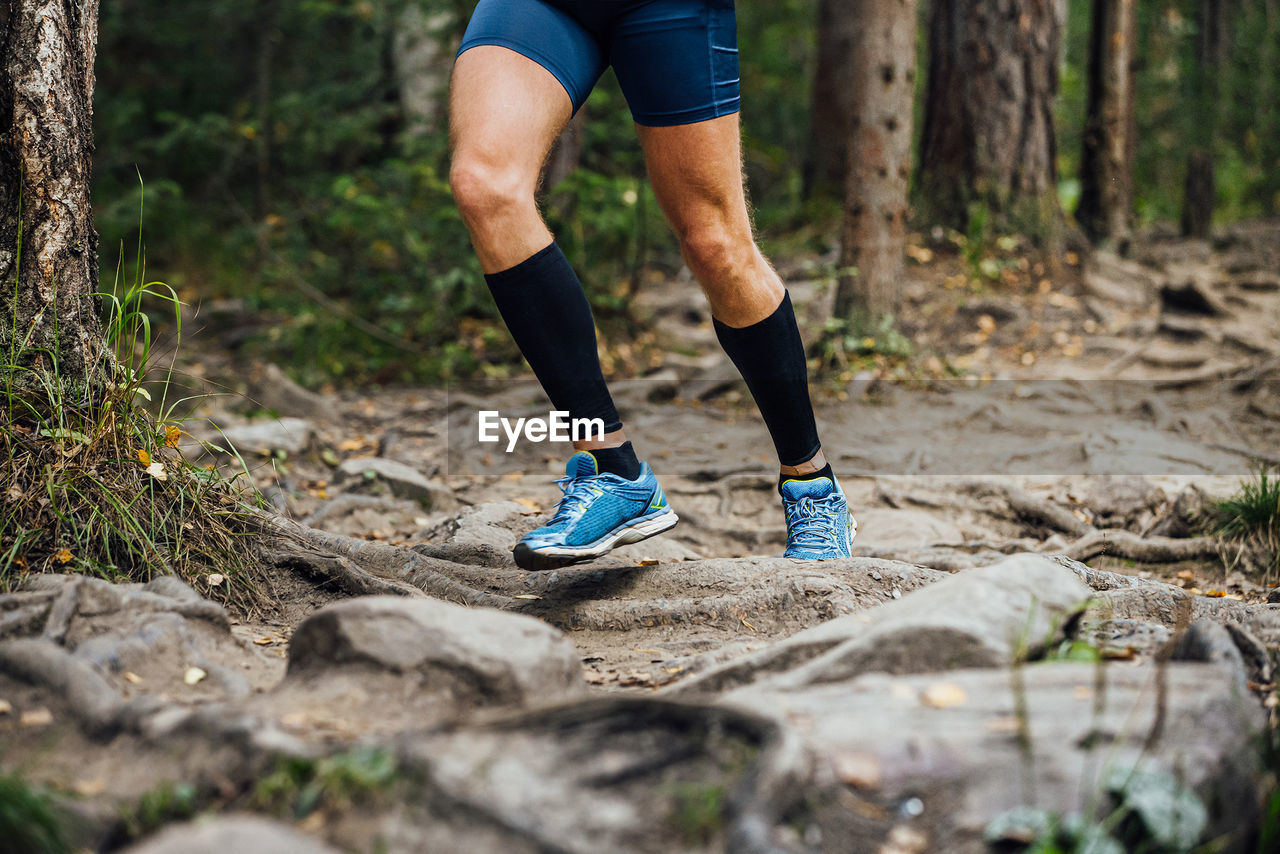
(506, 112)
(696, 174)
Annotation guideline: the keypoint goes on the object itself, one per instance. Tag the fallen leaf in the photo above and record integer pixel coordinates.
(171, 435)
(130, 676)
(156, 470)
(63, 556)
(193, 675)
(215, 578)
(1187, 575)
(1002, 724)
(6, 708)
(144, 457)
(860, 770)
(89, 788)
(649, 561)
(36, 717)
(530, 504)
(673, 670)
(15, 493)
(263, 641)
(527, 596)
(944, 695)
(649, 651)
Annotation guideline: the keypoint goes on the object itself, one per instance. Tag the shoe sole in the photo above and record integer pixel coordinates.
(554, 557)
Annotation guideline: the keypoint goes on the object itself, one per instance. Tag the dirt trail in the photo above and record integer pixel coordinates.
(1091, 420)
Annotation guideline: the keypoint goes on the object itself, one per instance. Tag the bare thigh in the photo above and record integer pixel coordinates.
(505, 113)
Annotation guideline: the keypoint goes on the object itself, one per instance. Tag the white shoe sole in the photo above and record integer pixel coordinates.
(551, 557)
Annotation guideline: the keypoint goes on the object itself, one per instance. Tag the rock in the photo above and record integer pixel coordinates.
(979, 617)
(941, 752)
(272, 389)
(291, 435)
(478, 656)
(482, 535)
(882, 528)
(1187, 515)
(1210, 643)
(45, 664)
(242, 834)
(1122, 501)
(400, 480)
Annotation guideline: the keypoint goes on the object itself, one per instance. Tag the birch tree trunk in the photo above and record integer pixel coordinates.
(1106, 163)
(48, 248)
(879, 78)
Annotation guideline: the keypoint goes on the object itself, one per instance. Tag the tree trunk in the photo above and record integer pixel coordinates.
(46, 145)
(567, 151)
(1106, 163)
(1201, 185)
(422, 51)
(824, 166)
(880, 82)
(988, 137)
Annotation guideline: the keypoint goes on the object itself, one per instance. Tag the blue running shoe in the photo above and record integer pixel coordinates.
(597, 513)
(819, 526)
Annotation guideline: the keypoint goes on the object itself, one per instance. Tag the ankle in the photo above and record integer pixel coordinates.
(621, 461)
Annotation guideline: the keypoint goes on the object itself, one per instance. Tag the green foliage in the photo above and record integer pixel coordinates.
(299, 787)
(29, 820)
(160, 805)
(92, 481)
(697, 814)
(1151, 812)
(1251, 518)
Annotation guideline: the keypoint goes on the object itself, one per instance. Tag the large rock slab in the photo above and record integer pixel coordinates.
(429, 652)
(398, 479)
(291, 435)
(936, 757)
(983, 617)
(242, 834)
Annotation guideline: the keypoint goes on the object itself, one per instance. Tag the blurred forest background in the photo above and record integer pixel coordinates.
(294, 154)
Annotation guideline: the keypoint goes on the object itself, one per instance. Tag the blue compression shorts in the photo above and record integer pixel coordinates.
(676, 60)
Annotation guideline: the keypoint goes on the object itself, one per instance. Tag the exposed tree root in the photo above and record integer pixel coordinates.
(1028, 507)
(1124, 544)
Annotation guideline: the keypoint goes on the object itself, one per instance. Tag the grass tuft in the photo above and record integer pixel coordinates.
(93, 482)
(1250, 520)
(29, 821)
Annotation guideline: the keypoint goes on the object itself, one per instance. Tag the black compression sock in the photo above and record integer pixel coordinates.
(620, 461)
(770, 357)
(542, 303)
(825, 471)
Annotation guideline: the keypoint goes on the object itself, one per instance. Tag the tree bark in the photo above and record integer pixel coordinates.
(832, 106)
(48, 248)
(880, 81)
(988, 137)
(1106, 163)
(1201, 184)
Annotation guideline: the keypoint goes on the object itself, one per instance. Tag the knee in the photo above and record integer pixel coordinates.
(484, 191)
(714, 251)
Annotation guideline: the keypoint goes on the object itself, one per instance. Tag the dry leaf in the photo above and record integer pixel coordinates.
(944, 695)
(36, 717)
(649, 561)
(89, 788)
(63, 556)
(6, 708)
(156, 470)
(263, 641)
(171, 435)
(130, 676)
(214, 579)
(144, 457)
(527, 596)
(193, 675)
(860, 770)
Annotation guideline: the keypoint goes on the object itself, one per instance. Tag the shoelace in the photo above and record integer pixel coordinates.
(812, 524)
(577, 491)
